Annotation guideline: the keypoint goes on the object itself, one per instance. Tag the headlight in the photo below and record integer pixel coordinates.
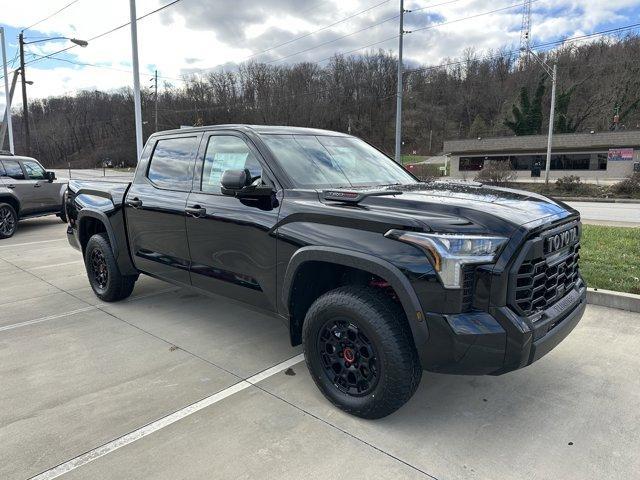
(449, 253)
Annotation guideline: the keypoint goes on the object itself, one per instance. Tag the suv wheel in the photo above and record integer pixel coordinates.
(360, 352)
(8, 220)
(104, 275)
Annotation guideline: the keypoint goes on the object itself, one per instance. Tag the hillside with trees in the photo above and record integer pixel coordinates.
(469, 97)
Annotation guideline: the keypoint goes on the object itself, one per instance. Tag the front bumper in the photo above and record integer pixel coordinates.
(499, 341)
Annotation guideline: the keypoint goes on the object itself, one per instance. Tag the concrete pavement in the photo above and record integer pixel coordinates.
(117, 391)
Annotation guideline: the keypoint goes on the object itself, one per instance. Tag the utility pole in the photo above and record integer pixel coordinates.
(398, 157)
(156, 98)
(8, 94)
(554, 75)
(136, 78)
(25, 106)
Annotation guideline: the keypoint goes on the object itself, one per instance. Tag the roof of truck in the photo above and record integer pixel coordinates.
(260, 130)
(15, 157)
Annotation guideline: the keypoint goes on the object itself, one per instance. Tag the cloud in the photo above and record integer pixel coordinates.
(205, 35)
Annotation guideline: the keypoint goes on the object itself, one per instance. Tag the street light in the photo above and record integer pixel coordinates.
(552, 72)
(25, 109)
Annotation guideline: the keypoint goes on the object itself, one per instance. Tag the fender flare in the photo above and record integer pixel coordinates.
(84, 214)
(375, 265)
(6, 193)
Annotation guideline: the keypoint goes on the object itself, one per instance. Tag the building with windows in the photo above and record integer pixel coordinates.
(606, 156)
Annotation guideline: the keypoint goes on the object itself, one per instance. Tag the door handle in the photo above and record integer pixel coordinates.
(135, 203)
(36, 185)
(11, 185)
(196, 211)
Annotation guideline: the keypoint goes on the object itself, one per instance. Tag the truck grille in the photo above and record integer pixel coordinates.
(539, 282)
(468, 284)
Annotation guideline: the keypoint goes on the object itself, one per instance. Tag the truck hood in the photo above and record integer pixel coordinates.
(456, 206)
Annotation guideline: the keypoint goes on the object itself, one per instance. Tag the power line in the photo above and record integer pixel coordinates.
(51, 16)
(84, 64)
(357, 49)
(413, 10)
(318, 30)
(335, 39)
(420, 29)
(435, 25)
(539, 46)
(108, 32)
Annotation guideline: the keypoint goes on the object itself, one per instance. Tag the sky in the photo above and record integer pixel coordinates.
(202, 35)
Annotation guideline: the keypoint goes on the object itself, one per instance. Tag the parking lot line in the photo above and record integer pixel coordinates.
(42, 267)
(32, 243)
(80, 310)
(150, 428)
(45, 319)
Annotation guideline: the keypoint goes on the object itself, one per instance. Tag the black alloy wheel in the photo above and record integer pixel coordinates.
(106, 280)
(348, 357)
(360, 352)
(99, 269)
(8, 221)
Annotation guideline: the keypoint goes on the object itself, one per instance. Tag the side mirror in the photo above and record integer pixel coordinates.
(237, 183)
(51, 176)
(234, 180)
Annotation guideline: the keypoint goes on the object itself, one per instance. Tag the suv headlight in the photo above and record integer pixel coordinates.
(449, 253)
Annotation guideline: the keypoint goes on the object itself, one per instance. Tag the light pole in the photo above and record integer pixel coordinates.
(137, 106)
(25, 107)
(8, 94)
(553, 73)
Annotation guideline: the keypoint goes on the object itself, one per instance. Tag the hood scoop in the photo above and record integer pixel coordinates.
(355, 196)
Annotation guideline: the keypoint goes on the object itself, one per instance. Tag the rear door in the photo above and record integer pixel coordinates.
(17, 181)
(232, 243)
(155, 207)
(45, 193)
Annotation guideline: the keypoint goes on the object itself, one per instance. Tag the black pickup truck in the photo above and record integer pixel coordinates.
(378, 275)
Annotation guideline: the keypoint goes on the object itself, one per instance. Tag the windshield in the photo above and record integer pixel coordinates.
(322, 161)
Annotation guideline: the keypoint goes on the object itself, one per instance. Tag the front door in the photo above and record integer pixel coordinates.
(155, 208)
(233, 247)
(46, 194)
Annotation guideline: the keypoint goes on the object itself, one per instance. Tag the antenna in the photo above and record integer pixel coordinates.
(525, 32)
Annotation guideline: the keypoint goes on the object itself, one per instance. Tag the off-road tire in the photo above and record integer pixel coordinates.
(384, 323)
(98, 260)
(6, 209)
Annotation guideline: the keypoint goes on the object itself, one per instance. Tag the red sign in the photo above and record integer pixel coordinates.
(616, 154)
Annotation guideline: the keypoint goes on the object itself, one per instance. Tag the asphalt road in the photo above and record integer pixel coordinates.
(169, 384)
(620, 214)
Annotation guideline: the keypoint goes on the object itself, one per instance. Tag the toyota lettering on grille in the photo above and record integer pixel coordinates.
(560, 240)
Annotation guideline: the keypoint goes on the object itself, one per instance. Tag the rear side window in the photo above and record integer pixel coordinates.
(225, 152)
(171, 164)
(13, 169)
(34, 170)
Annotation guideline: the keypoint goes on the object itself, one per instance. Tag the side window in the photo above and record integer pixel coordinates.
(171, 163)
(34, 170)
(225, 152)
(13, 169)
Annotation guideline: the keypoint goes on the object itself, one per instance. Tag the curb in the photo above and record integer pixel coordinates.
(598, 200)
(619, 300)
